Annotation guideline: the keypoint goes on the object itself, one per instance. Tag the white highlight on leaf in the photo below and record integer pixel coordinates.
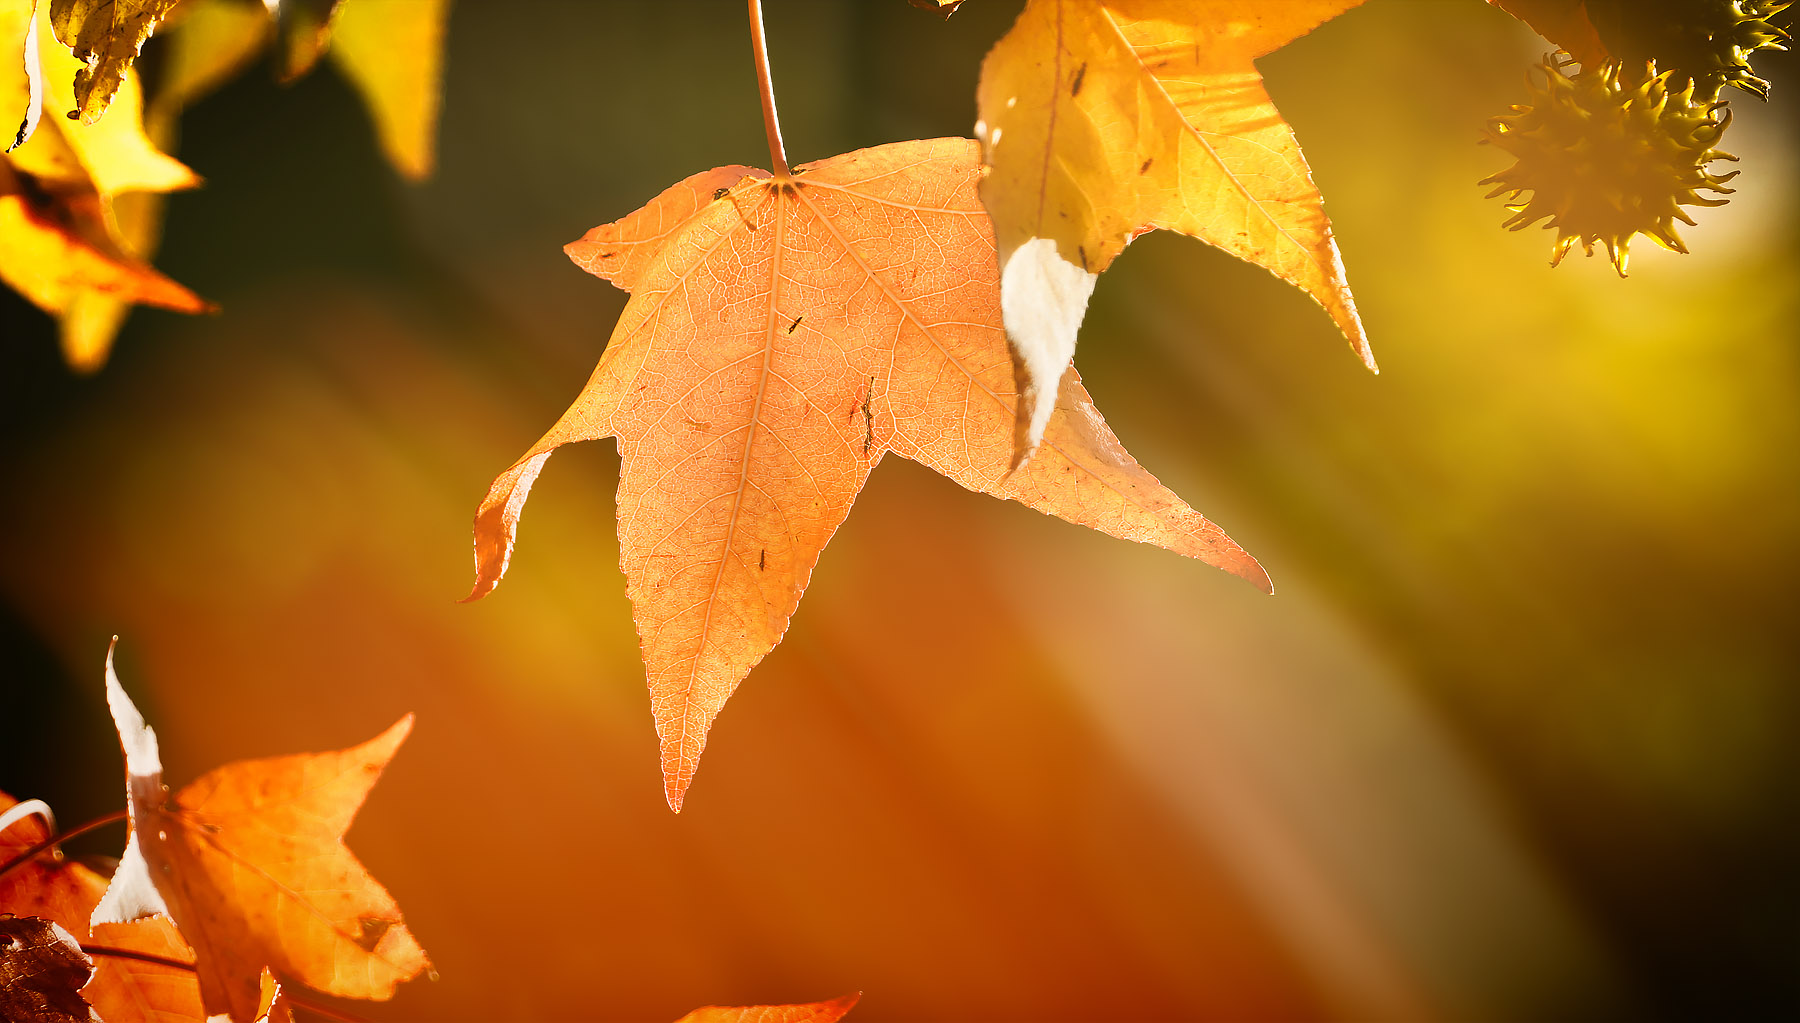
(142, 759)
(1043, 298)
(29, 807)
(132, 893)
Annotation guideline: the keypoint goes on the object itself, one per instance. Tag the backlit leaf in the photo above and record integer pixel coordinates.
(105, 36)
(781, 338)
(250, 863)
(1104, 119)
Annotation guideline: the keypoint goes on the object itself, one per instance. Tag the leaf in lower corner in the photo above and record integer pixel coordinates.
(250, 863)
(1104, 119)
(781, 338)
(124, 990)
(42, 971)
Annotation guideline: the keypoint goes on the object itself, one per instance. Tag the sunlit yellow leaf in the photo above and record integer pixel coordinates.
(105, 36)
(392, 50)
(1104, 119)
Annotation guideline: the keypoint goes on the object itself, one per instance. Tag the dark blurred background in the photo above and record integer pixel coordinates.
(1515, 739)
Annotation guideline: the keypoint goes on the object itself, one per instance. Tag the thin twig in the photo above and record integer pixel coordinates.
(156, 960)
(143, 957)
(771, 124)
(50, 843)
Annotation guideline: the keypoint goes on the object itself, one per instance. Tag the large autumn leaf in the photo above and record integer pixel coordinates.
(781, 338)
(1104, 119)
(249, 862)
(123, 989)
(811, 1012)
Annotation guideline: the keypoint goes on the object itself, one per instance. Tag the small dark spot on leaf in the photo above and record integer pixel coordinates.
(762, 561)
(794, 324)
(373, 930)
(1080, 75)
(73, 115)
(1081, 250)
(608, 255)
(868, 418)
(1144, 168)
(720, 193)
(211, 829)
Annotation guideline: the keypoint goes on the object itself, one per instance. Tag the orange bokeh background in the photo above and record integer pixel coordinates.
(1514, 739)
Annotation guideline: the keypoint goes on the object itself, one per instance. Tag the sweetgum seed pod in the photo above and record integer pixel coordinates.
(1602, 161)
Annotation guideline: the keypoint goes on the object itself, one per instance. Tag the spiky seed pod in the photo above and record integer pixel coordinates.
(1708, 41)
(1603, 161)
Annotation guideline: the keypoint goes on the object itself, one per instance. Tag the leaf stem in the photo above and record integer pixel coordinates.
(176, 964)
(55, 840)
(771, 124)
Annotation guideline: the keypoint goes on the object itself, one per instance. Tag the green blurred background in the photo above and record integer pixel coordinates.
(1515, 739)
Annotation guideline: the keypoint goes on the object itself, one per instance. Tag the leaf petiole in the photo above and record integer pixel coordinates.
(771, 124)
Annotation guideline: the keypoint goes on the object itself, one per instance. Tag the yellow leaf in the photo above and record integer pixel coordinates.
(104, 36)
(78, 203)
(55, 249)
(211, 41)
(1104, 119)
(305, 33)
(18, 34)
(393, 51)
(114, 155)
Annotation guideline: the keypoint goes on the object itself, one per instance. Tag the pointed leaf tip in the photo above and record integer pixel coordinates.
(142, 758)
(497, 519)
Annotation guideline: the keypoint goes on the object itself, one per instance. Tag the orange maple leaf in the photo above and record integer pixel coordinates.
(811, 1012)
(782, 336)
(1104, 119)
(249, 862)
